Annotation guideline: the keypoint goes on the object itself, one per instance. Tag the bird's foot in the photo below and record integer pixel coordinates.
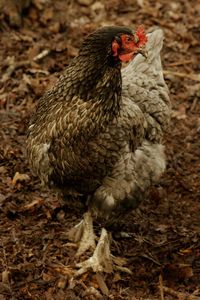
(84, 234)
(101, 260)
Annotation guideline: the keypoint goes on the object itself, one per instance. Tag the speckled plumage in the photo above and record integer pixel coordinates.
(99, 131)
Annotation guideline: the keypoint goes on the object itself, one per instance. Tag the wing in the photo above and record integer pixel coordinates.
(143, 82)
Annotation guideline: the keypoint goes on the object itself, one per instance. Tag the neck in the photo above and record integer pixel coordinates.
(97, 80)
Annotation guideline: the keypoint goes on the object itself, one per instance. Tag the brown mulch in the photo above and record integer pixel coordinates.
(38, 39)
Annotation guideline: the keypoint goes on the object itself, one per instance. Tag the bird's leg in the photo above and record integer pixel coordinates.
(84, 234)
(101, 260)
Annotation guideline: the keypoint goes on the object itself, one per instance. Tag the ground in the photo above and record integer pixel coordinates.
(38, 40)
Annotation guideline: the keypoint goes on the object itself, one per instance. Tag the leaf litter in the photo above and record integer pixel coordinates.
(38, 39)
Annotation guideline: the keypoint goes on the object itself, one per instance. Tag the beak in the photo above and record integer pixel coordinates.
(142, 51)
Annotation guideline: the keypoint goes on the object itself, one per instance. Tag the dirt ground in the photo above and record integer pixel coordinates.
(37, 41)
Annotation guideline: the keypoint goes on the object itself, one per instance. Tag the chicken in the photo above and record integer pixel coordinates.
(99, 131)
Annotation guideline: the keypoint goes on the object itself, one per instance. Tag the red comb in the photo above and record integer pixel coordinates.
(141, 35)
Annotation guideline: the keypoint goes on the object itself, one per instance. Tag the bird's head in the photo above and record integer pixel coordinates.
(126, 45)
(118, 43)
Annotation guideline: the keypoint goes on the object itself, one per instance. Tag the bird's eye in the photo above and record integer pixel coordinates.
(128, 39)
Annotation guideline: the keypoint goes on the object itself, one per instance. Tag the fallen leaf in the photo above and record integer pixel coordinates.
(179, 114)
(62, 269)
(18, 177)
(117, 277)
(62, 282)
(185, 251)
(177, 272)
(35, 203)
(5, 277)
(47, 277)
(162, 228)
(91, 291)
(48, 14)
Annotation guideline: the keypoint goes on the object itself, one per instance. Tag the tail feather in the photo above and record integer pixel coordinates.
(143, 83)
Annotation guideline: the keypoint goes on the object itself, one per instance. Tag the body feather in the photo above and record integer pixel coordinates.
(76, 143)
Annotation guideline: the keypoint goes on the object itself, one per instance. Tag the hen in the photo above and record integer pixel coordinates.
(98, 132)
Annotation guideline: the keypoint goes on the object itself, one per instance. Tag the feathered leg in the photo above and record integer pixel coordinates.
(131, 177)
(102, 260)
(133, 174)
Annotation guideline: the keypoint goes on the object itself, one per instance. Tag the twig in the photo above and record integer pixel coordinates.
(41, 55)
(151, 259)
(192, 76)
(180, 63)
(161, 287)
(193, 104)
(180, 295)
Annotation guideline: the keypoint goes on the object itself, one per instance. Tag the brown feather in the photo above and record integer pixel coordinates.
(86, 137)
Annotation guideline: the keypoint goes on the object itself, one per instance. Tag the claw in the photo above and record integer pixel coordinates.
(101, 260)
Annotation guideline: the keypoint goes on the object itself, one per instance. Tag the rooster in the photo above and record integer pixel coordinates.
(98, 132)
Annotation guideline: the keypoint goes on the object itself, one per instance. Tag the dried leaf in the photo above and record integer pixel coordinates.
(62, 269)
(18, 177)
(4, 288)
(5, 276)
(179, 295)
(185, 251)
(117, 277)
(162, 228)
(177, 272)
(35, 203)
(179, 114)
(62, 282)
(85, 2)
(91, 291)
(48, 14)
